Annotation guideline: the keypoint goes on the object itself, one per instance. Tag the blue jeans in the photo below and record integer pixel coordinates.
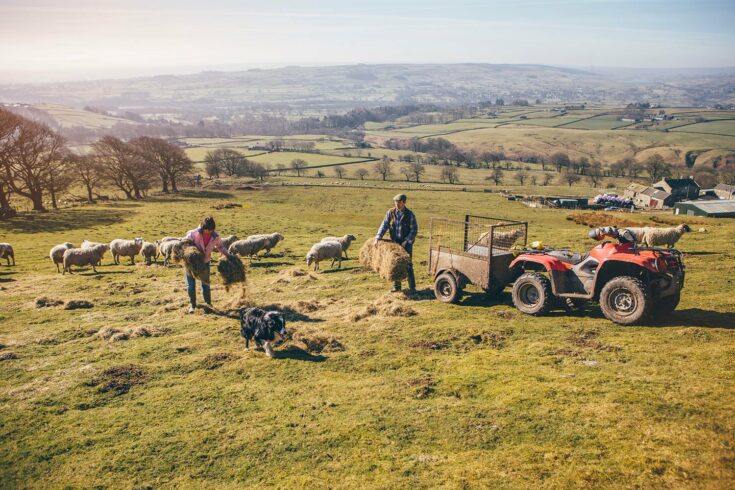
(411, 278)
(191, 286)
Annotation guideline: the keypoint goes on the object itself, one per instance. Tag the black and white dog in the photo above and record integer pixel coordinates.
(261, 326)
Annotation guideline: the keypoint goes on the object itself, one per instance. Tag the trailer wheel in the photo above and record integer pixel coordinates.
(446, 288)
(532, 294)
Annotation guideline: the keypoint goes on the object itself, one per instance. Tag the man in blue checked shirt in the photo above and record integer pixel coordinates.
(400, 222)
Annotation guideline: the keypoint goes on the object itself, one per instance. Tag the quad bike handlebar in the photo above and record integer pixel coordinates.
(623, 236)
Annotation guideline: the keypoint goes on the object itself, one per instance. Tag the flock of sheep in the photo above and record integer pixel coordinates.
(91, 253)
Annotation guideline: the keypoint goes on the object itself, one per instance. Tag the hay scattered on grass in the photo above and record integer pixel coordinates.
(8, 356)
(231, 270)
(387, 305)
(423, 387)
(227, 205)
(119, 379)
(46, 302)
(112, 334)
(695, 333)
(318, 343)
(386, 258)
(78, 304)
(589, 339)
(596, 220)
(213, 361)
(289, 275)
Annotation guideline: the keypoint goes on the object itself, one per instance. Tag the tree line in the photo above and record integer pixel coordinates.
(36, 164)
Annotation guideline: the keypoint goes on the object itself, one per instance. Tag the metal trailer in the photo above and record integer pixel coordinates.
(475, 251)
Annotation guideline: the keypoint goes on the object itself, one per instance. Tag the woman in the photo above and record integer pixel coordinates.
(206, 240)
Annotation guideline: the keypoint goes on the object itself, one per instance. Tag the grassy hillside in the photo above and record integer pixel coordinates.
(453, 396)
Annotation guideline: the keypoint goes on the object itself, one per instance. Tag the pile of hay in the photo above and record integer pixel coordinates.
(231, 270)
(193, 259)
(386, 258)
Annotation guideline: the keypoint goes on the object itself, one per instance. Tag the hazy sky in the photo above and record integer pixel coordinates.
(96, 38)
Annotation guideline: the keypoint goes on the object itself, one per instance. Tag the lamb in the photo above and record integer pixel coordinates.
(125, 248)
(271, 240)
(227, 241)
(657, 237)
(83, 256)
(248, 247)
(323, 251)
(166, 248)
(7, 252)
(345, 241)
(57, 254)
(149, 251)
(88, 244)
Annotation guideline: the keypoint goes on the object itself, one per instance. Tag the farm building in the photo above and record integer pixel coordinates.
(680, 189)
(724, 191)
(712, 209)
(648, 197)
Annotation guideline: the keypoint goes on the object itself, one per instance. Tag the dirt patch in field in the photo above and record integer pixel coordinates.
(213, 361)
(77, 304)
(318, 343)
(694, 333)
(422, 387)
(430, 344)
(596, 220)
(589, 340)
(46, 302)
(119, 379)
(227, 205)
(113, 334)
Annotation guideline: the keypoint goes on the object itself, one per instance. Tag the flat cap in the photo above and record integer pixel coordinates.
(400, 197)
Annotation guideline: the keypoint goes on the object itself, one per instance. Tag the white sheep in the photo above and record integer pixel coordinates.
(149, 251)
(657, 237)
(323, 251)
(271, 240)
(345, 241)
(88, 244)
(57, 254)
(7, 252)
(125, 248)
(83, 256)
(503, 238)
(249, 247)
(166, 248)
(227, 241)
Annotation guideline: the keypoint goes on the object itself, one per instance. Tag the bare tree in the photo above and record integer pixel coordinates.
(560, 160)
(123, 165)
(595, 174)
(280, 167)
(657, 167)
(521, 176)
(547, 179)
(86, 169)
(383, 167)
(298, 165)
(339, 171)
(417, 170)
(406, 171)
(570, 177)
(170, 160)
(496, 176)
(9, 124)
(450, 175)
(361, 173)
(29, 154)
(212, 164)
(533, 179)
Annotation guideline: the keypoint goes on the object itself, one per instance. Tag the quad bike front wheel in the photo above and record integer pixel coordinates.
(667, 304)
(446, 288)
(532, 294)
(625, 300)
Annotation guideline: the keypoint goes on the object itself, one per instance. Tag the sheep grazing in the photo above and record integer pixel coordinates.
(149, 251)
(7, 252)
(248, 247)
(657, 237)
(270, 241)
(88, 244)
(227, 241)
(125, 248)
(57, 254)
(323, 251)
(345, 241)
(83, 256)
(166, 248)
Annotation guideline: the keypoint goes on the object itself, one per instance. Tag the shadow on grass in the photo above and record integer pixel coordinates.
(89, 272)
(204, 194)
(702, 253)
(333, 271)
(697, 317)
(483, 299)
(269, 264)
(63, 220)
(297, 354)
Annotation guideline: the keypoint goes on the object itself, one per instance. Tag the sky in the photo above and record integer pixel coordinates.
(45, 40)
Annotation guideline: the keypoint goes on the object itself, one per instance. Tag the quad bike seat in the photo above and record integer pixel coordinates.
(572, 258)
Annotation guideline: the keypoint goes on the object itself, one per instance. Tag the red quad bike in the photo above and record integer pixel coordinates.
(630, 283)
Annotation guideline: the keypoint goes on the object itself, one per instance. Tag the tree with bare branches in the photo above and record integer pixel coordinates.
(123, 166)
(361, 173)
(170, 160)
(383, 167)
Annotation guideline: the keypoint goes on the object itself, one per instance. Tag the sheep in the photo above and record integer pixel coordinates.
(7, 252)
(250, 246)
(57, 254)
(125, 248)
(83, 256)
(323, 251)
(345, 241)
(637, 232)
(501, 238)
(227, 241)
(88, 244)
(656, 237)
(149, 250)
(166, 248)
(271, 240)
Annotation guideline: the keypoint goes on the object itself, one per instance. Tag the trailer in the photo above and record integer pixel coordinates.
(475, 251)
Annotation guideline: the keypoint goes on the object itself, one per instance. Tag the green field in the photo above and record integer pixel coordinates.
(453, 396)
(711, 127)
(69, 117)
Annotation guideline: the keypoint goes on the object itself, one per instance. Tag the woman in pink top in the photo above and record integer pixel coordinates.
(206, 240)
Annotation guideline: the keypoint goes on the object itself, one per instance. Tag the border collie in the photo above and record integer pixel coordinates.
(261, 326)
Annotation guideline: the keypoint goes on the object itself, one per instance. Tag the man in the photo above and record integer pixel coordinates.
(400, 222)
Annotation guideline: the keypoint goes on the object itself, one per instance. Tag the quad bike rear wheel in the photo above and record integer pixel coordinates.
(625, 300)
(532, 294)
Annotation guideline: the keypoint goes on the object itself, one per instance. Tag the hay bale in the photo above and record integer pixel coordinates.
(231, 270)
(386, 258)
(193, 259)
